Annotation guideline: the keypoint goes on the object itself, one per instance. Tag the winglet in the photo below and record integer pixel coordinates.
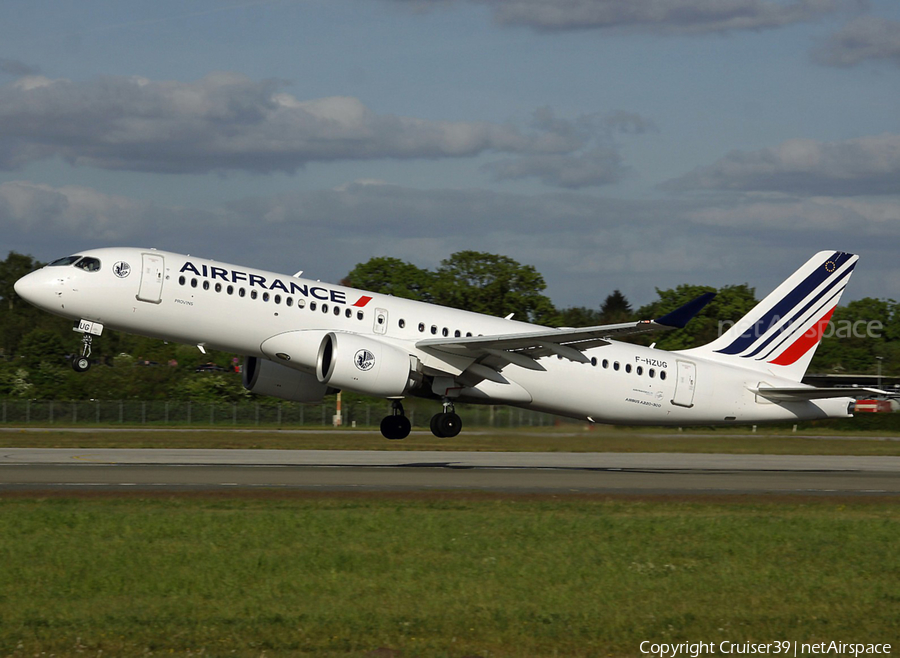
(682, 315)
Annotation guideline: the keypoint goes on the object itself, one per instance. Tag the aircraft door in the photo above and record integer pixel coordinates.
(152, 273)
(685, 382)
(381, 320)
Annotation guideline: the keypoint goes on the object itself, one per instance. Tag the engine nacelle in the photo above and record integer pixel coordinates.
(365, 365)
(267, 378)
(295, 349)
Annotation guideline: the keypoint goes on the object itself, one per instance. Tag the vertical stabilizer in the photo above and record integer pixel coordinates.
(781, 333)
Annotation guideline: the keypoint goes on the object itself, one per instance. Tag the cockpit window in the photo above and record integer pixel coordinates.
(88, 264)
(68, 260)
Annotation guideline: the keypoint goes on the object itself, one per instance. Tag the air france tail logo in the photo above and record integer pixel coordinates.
(364, 360)
(794, 324)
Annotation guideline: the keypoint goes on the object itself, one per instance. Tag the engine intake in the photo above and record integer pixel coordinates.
(364, 365)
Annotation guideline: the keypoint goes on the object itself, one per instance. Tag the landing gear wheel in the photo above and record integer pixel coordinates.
(396, 426)
(446, 425)
(83, 363)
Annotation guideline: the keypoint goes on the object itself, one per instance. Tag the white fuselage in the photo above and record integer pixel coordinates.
(236, 309)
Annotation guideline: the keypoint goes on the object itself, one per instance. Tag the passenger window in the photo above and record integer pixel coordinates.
(457, 334)
(662, 374)
(277, 299)
(639, 370)
(606, 363)
(445, 332)
(652, 373)
(181, 280)
(301, 303)
(193, 283)
(253, 294)
(360, 315)
(627, 367)
(348, 314)
(312, 306)
(324, 308)
(422, 327)
(434, 329)
(337, 310)
(615, 365)
(289, 301)
(230, 290)
(206, 285)
(242, 292)
(594, 361)
(402, 323)
(218, 287)
(265, 296)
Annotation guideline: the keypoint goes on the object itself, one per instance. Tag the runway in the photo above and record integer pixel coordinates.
(514, 472)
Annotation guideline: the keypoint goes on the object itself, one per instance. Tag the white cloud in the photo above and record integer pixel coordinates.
(864, 38)
(657, 16)
(584, 245)
(227, 122)
(861, 166)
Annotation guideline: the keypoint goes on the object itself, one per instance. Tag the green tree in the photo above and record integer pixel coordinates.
(858, 333)
(579, 316)
(615, 309)
(392, 276)
(42, 346)
(495, 285)
(12, 269)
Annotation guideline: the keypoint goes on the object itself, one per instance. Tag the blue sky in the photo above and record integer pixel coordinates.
(610, 144)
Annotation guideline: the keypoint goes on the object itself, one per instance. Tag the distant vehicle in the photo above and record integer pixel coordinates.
(304, 338)
(209, 367)
(873, 406)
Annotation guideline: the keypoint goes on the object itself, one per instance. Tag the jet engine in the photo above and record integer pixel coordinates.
(365, 365)
(264, 377)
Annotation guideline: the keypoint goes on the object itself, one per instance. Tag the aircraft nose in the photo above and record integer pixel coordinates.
(35, 289)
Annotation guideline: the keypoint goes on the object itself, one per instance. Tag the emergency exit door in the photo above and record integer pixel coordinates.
(153, 269)
(685, 383)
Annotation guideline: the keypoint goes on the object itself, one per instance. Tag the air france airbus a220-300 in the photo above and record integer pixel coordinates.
(304, 339)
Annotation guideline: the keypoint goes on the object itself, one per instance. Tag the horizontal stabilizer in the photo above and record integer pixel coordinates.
(811, 393)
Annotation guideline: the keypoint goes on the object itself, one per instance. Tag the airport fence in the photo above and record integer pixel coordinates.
(247, 414)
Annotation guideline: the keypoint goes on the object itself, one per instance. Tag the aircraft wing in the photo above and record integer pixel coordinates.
(801, 393)
(523, 349)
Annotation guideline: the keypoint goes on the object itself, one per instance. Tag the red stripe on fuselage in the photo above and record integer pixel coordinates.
(362, 301)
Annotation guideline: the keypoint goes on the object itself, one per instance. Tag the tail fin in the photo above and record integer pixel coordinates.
(781, 333)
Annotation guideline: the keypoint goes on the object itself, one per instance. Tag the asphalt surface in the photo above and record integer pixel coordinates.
(515, 472)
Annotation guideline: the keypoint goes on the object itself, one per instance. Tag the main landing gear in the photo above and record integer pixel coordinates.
(444, 425)
(397, 425)
(447, 424)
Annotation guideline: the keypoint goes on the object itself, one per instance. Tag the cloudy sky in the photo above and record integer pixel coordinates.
(621, 144)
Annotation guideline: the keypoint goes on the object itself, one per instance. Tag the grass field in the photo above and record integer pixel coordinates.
(568, 438)
(439, 575)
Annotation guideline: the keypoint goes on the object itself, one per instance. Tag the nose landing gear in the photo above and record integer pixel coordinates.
(87, 330)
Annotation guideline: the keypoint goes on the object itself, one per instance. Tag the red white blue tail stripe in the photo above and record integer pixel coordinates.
(785, 328)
